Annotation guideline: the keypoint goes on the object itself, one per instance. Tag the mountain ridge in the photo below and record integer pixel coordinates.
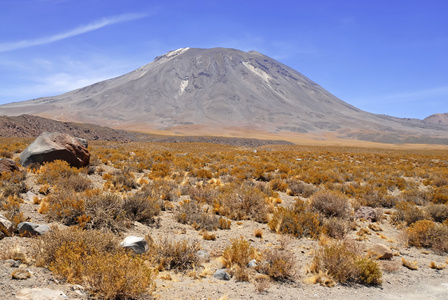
(220, 90)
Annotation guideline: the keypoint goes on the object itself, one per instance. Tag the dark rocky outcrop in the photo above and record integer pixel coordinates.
(31, 229)
(8, 165)
(51, 146)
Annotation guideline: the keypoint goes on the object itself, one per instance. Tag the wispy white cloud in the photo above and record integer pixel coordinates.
(425, 94)
(4, 47)
(48, 77)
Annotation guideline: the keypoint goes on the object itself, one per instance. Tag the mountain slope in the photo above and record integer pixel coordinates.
(441, 119)
(214, 91)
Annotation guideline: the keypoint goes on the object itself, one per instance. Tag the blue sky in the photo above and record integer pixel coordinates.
(387, 57)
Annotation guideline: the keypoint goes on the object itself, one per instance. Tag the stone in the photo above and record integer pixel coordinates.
(8, 165)
(367, 213)
(28, 229)
(203, 255)
(51, 146)
(221, 274)
(20, 274)
(252, 263)
(6, 227)
(40, 294)
(380, 251)
(137, 244)
(30, 196)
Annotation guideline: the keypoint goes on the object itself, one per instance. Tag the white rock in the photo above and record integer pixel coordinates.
(138, 244)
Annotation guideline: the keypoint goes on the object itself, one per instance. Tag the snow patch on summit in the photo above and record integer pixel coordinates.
(171, 54)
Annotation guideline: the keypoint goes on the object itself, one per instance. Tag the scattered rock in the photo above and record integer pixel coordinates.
(252, 263)
(367, 213)
(8, 165)
(30, 196)
(28, 229)
(13, 263)
(221, 274)
(51, 146)
(6, 227)
(40, 294)
(380, 251)
(203, 255)
(138, 244)
(20, 274)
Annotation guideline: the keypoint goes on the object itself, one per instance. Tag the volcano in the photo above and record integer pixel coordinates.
(223, 91)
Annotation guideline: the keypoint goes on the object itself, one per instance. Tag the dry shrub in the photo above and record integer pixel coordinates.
(278, 184)
(278, 264)
(331, 204)
(12, 184)
(335, 227)
(300, 188)
(169, 255)
(53, 171)
(164, 188)
(46, 245)
(202, 193)
(322, 278)
(410, 265)
(159, 170)
(12, 208)
(76, 182)
(415, 196)
(140, 208)
(240, 273)
(191, 212)
(434, 265)
(369, 271)
(224, 223)
(261, 283)
(242, 202)
(295, 222)
(437, 212)
(208, 236)
(408, 213)
(203, 173)
(258, 233)
(389, 266)
(104, 210)
(124, 180)
(342, 261)
(64, 206)
(238, 253)
(428, 234)
(87, 258)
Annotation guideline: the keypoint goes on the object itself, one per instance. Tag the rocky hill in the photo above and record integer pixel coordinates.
(28, 126)
(440, 119)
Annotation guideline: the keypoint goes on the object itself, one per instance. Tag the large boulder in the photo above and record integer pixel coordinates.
(366, 213)
(51, 146)
(8, 165)
(137, 244)
(380, 251)
(28, 229)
